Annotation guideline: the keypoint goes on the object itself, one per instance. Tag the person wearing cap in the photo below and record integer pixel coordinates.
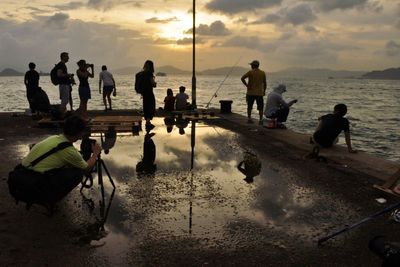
(256, 85)
(277, 107)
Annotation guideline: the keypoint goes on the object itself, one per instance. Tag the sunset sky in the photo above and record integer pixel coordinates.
(336, 34)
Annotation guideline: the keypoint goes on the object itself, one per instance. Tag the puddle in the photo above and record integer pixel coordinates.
(190, 193)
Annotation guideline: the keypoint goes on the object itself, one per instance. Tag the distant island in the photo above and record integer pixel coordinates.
(388, 74)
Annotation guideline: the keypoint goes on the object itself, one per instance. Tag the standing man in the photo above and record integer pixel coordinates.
(31, 81)
(108, 86)
(256, 86)
(65, 81)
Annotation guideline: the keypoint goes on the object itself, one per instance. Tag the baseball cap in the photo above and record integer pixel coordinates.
(255, 63)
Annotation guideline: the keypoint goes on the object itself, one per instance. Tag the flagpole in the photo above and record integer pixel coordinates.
(194, 104)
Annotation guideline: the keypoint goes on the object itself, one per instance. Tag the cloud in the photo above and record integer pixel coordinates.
(189, 41)
(310, 29)
(296, 15)
(392, 48)
(70, 6)
(217, 28)
(162, 21)
(231, 7)
(329, 5)
(59, 20)
(250, 42)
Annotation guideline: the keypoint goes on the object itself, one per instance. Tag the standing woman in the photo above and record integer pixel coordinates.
(146, 82)
(84, 90)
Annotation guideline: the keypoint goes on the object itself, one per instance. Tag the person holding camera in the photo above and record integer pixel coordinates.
(83, 74)
(53, 167)
(65, 81)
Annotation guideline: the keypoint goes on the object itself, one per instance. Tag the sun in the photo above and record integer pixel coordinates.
(176, 29)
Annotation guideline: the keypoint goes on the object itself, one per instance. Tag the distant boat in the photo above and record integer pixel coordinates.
(330, 77)
(161, 74)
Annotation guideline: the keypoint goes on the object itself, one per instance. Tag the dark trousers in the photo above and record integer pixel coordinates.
(281, 114)
(56, 184)
(149, 106)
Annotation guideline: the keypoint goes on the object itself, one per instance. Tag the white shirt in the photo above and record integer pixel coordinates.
(181, 101)
(107, 78)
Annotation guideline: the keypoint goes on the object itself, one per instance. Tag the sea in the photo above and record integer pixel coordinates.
(373, 105)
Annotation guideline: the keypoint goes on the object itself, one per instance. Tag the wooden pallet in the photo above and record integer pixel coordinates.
(102, 123)
(194, 115)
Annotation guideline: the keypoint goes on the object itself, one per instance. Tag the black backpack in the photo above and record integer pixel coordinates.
(54, 76)
(139, 82)
(40, 101)
(29, 186)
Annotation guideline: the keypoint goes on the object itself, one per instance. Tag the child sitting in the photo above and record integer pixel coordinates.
(181, 99)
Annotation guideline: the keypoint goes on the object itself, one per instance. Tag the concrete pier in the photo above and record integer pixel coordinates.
(275, 221)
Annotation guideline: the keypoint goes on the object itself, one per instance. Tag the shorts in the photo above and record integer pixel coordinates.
(84, 93)
(258, 98)
(65, 91)
(107, 89)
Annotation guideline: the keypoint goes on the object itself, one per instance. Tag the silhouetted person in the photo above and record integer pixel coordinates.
(110, 136)
(169, 123)
(145, 81)
(84, 74)
(31, 81)
(250, 166)
(146, 165)
(256, 86)
(330, 126)
(181, 98)
(108, 86)
(65, 81)
(169, 101)
(181, 124)
(277, 107)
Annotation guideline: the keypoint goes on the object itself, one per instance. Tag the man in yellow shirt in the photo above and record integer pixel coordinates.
(59, 172)
(256, 86)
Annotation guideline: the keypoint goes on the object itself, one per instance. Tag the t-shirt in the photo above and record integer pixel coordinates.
(63, 80)
(67, 157)
(107, 78)
(257, 82)
(32, 79)
(181, 101)
(331, 125)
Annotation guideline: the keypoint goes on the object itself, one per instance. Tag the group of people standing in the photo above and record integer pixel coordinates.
(64, 80)
(277, 109)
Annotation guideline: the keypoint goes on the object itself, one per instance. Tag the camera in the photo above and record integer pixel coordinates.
(86, 147)
(89, 65)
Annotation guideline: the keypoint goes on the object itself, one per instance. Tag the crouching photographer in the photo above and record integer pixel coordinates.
(53, 167)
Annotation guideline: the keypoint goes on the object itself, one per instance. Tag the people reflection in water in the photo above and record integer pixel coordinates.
(146, 165)
(110, 136)
(250, 166)
(182, 124)
(169, 123)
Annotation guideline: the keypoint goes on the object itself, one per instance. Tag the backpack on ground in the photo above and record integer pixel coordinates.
(54, 76)
(40, 101)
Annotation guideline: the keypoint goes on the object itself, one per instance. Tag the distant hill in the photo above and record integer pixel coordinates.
(10, 72)
(387, 74)
(235, 71)
(320, 73)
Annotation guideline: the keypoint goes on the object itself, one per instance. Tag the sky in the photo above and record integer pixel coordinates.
(336, 34)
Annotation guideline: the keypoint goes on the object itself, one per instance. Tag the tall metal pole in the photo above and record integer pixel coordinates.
(194, 104)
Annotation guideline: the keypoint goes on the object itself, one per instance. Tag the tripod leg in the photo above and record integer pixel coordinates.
(100, 178)
(108, 174)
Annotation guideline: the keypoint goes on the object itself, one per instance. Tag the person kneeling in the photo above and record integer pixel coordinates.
(330, 126)
(277, 108)
(53, 167)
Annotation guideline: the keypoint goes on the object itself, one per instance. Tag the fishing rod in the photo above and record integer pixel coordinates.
(220, 85)
(347, 228)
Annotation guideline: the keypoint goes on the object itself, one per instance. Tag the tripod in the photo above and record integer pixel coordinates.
(100, 165)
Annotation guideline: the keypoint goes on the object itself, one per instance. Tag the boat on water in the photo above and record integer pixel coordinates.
(162, 74)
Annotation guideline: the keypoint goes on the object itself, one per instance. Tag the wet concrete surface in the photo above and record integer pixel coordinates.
(201, 214)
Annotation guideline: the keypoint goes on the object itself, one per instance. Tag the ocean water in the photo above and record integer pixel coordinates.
(373, 105)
